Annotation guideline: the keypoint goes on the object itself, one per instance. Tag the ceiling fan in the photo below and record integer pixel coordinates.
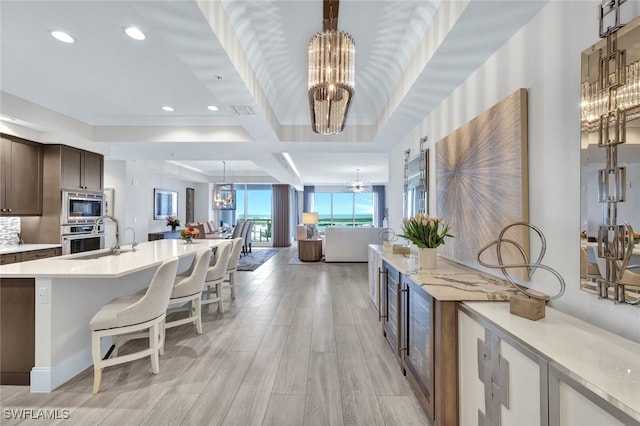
(357, 185)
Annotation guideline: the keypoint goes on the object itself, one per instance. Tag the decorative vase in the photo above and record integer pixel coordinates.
(188, 240)
(427, 258)
(173, 228)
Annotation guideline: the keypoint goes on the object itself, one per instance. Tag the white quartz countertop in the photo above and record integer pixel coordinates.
(603, 362)
(450, 281)
(147, 254)
(26, 247)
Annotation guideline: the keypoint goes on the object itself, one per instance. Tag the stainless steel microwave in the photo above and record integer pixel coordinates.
(82, 207)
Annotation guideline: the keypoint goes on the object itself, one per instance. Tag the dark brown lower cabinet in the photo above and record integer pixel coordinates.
(17, 330)
(429, 351)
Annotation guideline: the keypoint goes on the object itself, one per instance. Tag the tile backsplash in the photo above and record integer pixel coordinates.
(9, 228)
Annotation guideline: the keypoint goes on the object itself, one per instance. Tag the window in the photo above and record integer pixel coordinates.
(253, 202)
(343, 209)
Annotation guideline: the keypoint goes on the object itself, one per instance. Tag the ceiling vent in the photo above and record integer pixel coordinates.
(244, 110)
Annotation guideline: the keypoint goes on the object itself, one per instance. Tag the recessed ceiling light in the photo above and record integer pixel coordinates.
(167, 108)
(62, 36)
(212, 108)
(134, 33)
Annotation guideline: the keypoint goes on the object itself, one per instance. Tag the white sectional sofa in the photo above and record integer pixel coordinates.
(344, 244)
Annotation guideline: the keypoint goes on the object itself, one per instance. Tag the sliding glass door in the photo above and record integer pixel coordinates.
(253, 202)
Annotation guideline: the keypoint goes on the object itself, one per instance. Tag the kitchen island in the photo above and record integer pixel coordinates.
(70, 289)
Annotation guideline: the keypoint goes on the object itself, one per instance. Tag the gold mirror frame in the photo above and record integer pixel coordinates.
(625, 184)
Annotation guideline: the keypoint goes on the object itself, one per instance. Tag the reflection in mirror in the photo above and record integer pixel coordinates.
(593, 213)
(416, 183)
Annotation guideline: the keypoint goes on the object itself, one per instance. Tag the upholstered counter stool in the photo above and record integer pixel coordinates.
(232, 267)
(130, 314)
(215, 276)
(188, 288)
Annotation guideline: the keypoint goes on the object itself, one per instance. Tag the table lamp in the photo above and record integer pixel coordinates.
(311, 220)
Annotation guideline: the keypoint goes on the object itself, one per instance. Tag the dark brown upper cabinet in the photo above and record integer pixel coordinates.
(81, 169)
(20, 177)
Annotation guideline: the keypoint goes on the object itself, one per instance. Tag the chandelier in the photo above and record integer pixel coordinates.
(331, 74)
(224, 196)
(357, 186)
(595, 101)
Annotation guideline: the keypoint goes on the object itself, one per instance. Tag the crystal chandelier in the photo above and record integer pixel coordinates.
(595, 100)
(331, 74)
(224, 196)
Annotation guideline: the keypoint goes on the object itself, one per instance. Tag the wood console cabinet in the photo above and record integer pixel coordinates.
(20, 177)
(429, 350)
(81, 169)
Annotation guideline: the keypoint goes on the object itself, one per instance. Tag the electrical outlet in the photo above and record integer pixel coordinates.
(43, 295)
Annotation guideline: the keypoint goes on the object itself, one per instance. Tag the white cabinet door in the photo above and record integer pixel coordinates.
(524, 388)
(573, 404)
(375, 261)
(500, 381)
(574, 409)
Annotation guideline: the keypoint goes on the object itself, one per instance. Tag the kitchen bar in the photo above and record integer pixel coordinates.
(71, 289)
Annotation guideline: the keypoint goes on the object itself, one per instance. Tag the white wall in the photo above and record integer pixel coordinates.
(544, 57)
(133, 183)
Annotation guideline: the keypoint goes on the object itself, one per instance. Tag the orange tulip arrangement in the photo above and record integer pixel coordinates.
(189, 232)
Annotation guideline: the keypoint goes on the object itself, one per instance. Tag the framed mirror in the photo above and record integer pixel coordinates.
(416, 185)
(593, 212)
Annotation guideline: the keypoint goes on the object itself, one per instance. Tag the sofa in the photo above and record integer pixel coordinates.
(344, 244)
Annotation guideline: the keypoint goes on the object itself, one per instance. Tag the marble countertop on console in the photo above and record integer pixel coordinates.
(147, 254)
(603, 362)
(450, 281)
(26, 247)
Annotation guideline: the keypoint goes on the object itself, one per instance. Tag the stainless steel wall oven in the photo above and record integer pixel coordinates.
(77, 238)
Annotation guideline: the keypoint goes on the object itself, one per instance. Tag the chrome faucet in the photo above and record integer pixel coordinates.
(116, 247)
(134, 243)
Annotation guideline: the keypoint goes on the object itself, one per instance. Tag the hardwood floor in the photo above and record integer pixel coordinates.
(300, 345)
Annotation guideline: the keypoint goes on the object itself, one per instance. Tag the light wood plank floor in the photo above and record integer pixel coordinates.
(300, 345)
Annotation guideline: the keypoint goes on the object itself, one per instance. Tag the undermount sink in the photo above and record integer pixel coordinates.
(97, 255)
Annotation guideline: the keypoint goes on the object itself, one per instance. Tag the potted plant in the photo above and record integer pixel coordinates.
(427, 233)
(173, 222)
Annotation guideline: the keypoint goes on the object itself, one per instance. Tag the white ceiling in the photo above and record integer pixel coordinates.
(410, 55)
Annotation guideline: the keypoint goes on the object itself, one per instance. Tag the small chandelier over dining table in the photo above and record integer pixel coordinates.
(331, 73)
(224, 196)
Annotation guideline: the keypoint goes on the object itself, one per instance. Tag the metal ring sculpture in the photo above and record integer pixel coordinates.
(387, 234)
(531, 267)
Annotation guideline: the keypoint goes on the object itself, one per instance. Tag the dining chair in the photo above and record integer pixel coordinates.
(232, 267)
(246, 234)
(237, 230)
(130, 314)
(587, 269)
(188, 289)
(215, 276)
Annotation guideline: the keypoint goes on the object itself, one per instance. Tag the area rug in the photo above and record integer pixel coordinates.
(253, 260)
